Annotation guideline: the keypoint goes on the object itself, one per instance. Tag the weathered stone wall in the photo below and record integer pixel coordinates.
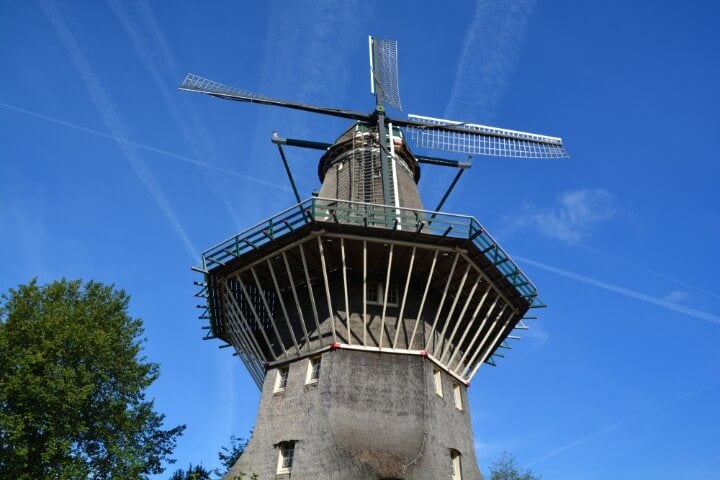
(370, 416)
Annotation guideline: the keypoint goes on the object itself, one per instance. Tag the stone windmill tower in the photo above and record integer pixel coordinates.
(361, 316)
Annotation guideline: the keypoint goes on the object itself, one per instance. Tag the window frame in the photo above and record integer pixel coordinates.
(456, 464)
(286, 450)
(312, 362)
(281, 379)
(380, 287)
(437, 381)
(457, 396)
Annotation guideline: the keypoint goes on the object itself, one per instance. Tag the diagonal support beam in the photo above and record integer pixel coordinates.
(288, 270)
(268, 312)
(327, 288)
(431, 337)
(448, 191)
(385, 296)
(289, 173)
(259, 322)
(310, 292)
(282, 305)
(424, 297)
(459, 320)
(405, 292)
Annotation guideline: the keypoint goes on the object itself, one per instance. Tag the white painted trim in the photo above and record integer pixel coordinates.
(327, 288)
(385, 295)
(405, 292)
(471, 345)
(282, 454)
(364, 292)
(470, 296)
(393, 164)
(282, 305)
(308, 375)
(277, 385)
(437, 381)
(431, 337)
(288, 270)
(449, 316)
(267, 310)
(257, 317)
(345, 290)
(495, 323)
(469, 325)
(457, 396)
(311, 293)
(422, 302)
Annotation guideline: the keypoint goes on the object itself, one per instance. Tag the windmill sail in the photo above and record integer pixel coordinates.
(475, 139)
(194, 83)
(384, 71)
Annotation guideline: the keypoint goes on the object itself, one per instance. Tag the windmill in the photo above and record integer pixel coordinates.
(400, 305)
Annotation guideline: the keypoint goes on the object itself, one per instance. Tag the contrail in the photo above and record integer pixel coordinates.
(620, 423)
(142, 146)
(309, 62)
(625, 291)
(509, 219)
(651, 272)
(154, 53)
(489, 56)
(107, 111)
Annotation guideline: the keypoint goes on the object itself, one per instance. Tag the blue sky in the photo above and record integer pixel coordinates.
(108, 172)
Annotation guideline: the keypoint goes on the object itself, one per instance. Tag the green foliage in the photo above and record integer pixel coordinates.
(229, 455)
(192, 473)
(505, 468)
(242, 476)
(72, 383)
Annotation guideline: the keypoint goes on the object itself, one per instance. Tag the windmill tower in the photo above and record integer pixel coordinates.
(361, 316)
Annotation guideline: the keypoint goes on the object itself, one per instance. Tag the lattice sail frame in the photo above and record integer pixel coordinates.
(199, 84)
(475, 139)
(384, 71)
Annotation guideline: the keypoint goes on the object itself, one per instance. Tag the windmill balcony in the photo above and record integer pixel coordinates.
(328, 273)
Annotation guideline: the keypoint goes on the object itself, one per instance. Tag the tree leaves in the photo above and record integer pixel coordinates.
(505, 468)
(197, 472)
(72, 386)
(229, 455)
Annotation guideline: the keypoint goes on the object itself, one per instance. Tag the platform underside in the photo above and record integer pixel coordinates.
(330, 284)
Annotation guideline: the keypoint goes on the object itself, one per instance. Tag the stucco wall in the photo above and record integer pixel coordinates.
(370, 416)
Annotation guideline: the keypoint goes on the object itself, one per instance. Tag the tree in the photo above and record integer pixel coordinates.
(192, 473)
(505, 468)
(72, 386)
(229, 455)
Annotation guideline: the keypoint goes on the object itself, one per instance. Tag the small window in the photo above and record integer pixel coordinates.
(376, 294)
(456, 465)
(286, 456)
(392, 294)
(281, 379)
(457, 394)
(438, 382)
(373, 292)
(313, 372)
